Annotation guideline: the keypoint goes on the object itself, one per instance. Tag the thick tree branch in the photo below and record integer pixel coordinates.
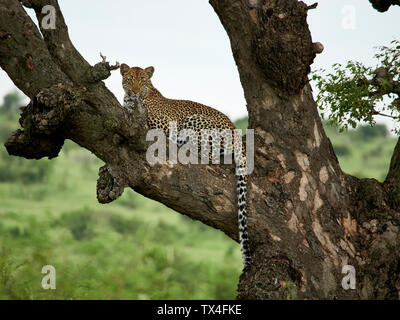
(33, 146)
(61, 48)
(23, 53)
(101, 70)
(110, 185)
(58, 42)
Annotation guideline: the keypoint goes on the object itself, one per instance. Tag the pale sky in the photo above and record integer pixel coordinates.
(190, 50)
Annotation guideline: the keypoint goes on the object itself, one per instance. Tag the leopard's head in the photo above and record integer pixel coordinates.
(136, 81)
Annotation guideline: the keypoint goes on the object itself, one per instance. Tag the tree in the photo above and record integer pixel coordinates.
(355, 92)
(307, 218)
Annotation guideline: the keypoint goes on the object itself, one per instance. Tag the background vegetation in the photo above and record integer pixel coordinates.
(133, 248)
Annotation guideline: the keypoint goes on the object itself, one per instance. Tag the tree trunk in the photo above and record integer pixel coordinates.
(307, 218)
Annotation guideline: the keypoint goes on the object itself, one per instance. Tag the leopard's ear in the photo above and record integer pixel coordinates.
(124, 68)
(149, 71)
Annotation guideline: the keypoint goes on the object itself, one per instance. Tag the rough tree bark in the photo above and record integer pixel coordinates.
(307, 218)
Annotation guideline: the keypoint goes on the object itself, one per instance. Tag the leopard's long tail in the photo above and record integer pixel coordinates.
(242, 216)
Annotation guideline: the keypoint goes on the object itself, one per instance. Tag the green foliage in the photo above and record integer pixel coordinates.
(291, 290)
(353, 92)
(115, 262)
(78, 222)
(129, 200)
(345, 94)
(123, 225)
(242, 124)
(13, 169)
(364, 152)
(12, 102)
(379, 130)
(341, 150)
(389, 57)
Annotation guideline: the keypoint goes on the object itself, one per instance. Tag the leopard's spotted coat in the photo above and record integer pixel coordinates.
(187, 115)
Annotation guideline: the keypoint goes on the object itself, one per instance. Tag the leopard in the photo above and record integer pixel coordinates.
(189, 115)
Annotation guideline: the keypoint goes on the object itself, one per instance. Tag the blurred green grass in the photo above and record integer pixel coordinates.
(133, 248)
